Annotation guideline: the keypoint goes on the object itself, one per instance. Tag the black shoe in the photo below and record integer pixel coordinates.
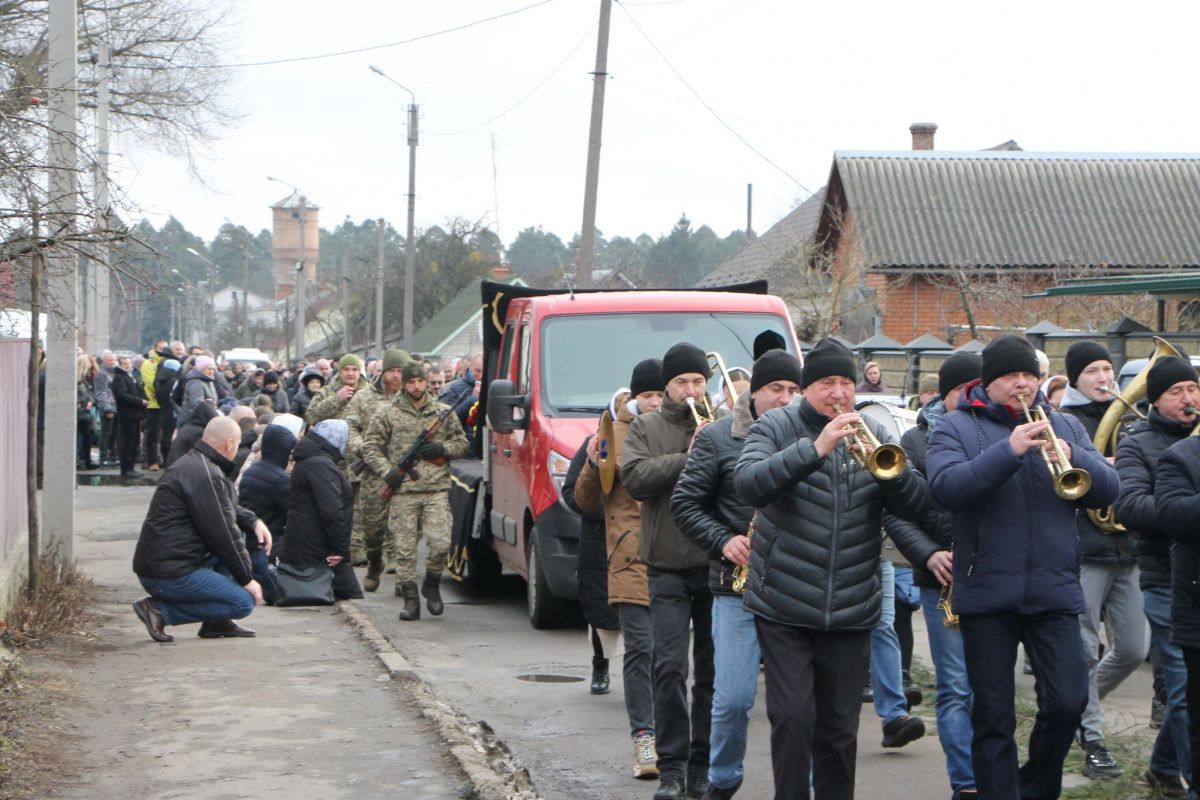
(599, 675)
(1099, 763)
(1168, 786)
(151, 616)
(868, 693)
(412, 603)
(902, 730)
(717, 793)
(432, 593)
(697, 781)
(1158, 710)
(671, 788)
(912, 693)
(1028, 668)
(224, 629)
(131, 473)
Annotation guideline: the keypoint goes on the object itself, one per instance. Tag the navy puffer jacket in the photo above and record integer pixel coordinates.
(1177, 495)
(1137, 464)
(814, 561)
(1016, 548)
(265, 486)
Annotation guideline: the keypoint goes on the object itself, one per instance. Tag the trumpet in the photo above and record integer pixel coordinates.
(950, 620)
(1070, 483)
(885, 461)
(704, 417)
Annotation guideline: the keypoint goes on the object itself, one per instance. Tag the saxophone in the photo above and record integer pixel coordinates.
(742, 571)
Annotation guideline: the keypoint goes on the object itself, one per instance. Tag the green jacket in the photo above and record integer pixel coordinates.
(397, 425)
(366, 404)
(327, 404)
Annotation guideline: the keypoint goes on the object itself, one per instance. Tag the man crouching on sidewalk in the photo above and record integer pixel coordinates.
(191, 556)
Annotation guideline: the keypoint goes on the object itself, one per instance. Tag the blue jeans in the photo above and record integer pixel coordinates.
(906, 592)
(1172, 752)
(736, 660)
(886, 669)
(202, 596)
(1055, 644)
(953, 694)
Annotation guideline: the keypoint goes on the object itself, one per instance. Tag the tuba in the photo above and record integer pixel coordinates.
(1108, 431)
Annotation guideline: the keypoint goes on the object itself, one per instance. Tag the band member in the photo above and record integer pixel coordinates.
(1108, 570)
(1171, 388)
(814, 586)
(709, 511)
(927, 546)
(628, 590)
(1016, 555)
(655, 451)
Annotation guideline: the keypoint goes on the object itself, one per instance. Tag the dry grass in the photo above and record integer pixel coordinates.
(61, 605)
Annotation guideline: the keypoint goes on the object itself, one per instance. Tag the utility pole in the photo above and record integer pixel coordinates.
(379, 291)
(300, 276)
(245, 327)
(345, 301)
(61, 308)
(97, 302)
(587, 235)
(410, 243)
(749, 213)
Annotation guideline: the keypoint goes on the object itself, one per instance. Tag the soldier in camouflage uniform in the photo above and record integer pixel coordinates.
(331, 403)
(421, 506)
(371, 510)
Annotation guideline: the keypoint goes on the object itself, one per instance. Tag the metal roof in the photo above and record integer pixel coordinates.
(1177, 284)
(937, 209)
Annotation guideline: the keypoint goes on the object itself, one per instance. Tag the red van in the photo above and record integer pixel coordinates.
(553, 360)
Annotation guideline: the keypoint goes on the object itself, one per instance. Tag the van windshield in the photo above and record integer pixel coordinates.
(587, 357)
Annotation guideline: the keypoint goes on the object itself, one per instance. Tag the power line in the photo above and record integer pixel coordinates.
(363, 49)
(704, 103)
(530, 94)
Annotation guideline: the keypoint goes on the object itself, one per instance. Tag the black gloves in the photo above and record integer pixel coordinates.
(432, 450)
(393, 479)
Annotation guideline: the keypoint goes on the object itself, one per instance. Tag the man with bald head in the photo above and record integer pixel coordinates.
(191, 556)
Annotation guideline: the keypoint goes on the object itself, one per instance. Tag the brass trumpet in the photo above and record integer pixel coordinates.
(1070, 483)
(950, 620)
(885, 461)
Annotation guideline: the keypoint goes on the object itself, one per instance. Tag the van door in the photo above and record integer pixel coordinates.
(507, 487)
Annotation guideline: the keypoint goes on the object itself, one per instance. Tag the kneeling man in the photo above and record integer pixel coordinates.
(191, 556)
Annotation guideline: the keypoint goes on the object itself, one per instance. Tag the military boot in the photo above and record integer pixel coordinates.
(374, 570)
(433, 594)
(412, 603)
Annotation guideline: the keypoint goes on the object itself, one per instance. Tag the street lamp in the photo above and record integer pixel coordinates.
(409, 245)
(185, 314)
(300, 309)
(212, 296)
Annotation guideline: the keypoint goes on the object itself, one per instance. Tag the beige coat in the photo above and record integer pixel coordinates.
(627, 581)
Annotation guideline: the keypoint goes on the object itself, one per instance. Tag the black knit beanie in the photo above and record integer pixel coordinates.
(1166, 372)
(683, 359)
(828, 357)
(958, 369)
(1080, 354)
(768, 340)
(647, 377)
(775, 365)
(1009, 353)
(271, 377)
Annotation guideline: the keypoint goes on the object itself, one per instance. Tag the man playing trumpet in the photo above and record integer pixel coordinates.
(1016, 555)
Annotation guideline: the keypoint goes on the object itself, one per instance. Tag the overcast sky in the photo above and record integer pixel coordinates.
(505, 104)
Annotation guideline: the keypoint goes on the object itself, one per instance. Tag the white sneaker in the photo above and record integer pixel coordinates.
(645, 757)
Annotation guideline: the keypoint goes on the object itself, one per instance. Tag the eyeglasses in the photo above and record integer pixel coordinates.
(435, 384)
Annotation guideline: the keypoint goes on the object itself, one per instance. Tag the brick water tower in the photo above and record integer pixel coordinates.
(294, 217)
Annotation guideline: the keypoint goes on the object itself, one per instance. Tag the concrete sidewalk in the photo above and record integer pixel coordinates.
(304, 710)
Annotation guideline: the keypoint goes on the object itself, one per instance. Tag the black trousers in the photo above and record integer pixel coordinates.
(678, 598)
(152, 448)
(131, 430)
(1191, 660)
(1055, 644)
(109, 434)
(814, 683)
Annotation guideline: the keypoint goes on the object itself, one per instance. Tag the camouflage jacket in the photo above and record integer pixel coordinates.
(368, 402)
(327, 404)
(397, 425)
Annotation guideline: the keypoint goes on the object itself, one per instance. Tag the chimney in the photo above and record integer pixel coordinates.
(922, 133)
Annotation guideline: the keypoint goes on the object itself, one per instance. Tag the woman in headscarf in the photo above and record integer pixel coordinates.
(321, 507)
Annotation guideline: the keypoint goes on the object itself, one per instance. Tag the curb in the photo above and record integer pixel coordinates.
(495, 773)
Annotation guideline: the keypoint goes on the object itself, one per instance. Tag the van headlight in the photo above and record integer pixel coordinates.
(558, 465)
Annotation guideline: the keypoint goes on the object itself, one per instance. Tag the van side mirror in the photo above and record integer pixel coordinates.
(502, 403)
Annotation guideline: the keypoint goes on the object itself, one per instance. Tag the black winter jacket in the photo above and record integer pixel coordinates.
(705, 505)
(190, 432)
(320, 505)
(1016, 549)
(1137, 464)
(164, 384)
(193, 516)
(917, 541)
(129, 396)
(592, 562)
(655, 451)
(1095, 544)
(1177, 496)
(815, 557)
(265, 486)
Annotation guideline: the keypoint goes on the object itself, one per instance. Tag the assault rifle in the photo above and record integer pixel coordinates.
(408, 462)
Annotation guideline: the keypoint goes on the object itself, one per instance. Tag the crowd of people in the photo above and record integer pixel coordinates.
(723, 537)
